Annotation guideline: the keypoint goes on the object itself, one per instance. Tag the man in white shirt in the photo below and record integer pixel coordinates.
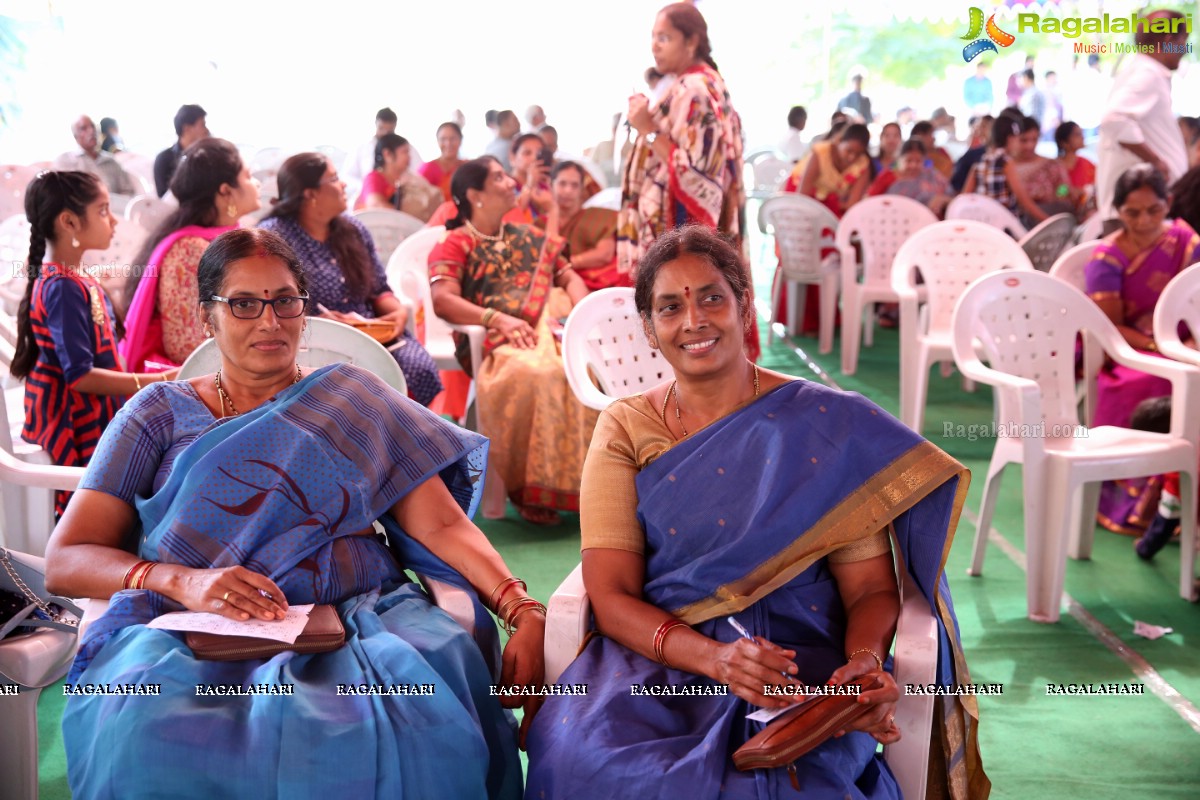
(793, 147)
(1138, 124)
(90, 158)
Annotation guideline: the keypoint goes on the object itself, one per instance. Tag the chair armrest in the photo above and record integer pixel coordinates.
(41, 476)
(456, 602)
(1026, 392)
(915, 663)
(568, 618)
(1185, 386)
(475, 335)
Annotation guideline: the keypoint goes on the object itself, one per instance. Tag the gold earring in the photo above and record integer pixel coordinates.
(231, 210)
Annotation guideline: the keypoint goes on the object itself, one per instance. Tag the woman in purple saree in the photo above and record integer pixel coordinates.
(740, 492)
(1125, 277)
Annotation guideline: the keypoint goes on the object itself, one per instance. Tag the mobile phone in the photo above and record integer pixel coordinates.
(547, 157)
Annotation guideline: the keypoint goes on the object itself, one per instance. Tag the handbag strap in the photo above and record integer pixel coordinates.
(59, 617)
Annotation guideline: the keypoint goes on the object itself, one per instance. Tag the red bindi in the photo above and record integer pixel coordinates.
(687, 292)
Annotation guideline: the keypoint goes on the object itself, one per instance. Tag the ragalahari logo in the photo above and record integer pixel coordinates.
(995, 36)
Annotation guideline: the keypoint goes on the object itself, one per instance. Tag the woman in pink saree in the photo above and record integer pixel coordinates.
(1125, 277)
(162, 323)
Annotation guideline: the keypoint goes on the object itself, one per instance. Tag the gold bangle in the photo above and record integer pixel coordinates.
(488, 315)
(137, 383)
(869, 651)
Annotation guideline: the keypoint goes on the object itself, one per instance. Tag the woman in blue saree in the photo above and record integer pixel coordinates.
(255, 488)
(739, 492)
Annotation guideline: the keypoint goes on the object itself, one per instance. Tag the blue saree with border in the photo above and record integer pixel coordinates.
(738, 520)
(291, 490)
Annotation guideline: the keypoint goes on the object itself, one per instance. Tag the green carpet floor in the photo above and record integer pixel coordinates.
(1034, 745)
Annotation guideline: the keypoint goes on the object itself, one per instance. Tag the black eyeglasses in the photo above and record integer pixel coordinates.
(286, 307)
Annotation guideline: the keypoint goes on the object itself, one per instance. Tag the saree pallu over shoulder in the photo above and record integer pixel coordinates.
(852, 470)
(514, 275)
(291, 490)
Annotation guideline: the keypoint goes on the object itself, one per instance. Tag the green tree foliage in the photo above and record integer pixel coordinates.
(12, 63)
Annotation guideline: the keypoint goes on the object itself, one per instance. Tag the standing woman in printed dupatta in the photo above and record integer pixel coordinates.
(1125, 277)
(255, 489)
(686, 165)
(514, 280)
(214, 189)
(735, 490)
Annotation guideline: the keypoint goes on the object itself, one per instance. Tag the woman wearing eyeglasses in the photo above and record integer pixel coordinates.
(256, 488)
(348, 282)
(214, 190)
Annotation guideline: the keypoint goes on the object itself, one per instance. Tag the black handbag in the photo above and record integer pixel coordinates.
(25, 605)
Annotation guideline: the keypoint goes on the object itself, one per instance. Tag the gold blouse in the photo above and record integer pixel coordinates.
(628, 437)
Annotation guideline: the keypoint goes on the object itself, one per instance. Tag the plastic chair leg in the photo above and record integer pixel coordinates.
(796, 296)
(987, 507)
(1048, 515)
(19, 743)
(852, 330)
(918, 388)
(829, 302)
(1187, 536)
(1083, 521)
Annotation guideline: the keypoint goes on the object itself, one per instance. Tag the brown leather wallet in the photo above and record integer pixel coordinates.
(323, 632)
(791, 735)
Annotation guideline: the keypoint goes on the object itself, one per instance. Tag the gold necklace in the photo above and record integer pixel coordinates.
(486, 237)
(226, 400)
(674, 390)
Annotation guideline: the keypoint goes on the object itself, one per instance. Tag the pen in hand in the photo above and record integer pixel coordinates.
(737, 626)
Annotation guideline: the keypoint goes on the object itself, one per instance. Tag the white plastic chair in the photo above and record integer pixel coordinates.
(803, 228)
(113, 266)
(881, 224)
(324, 342)
(388, 228)
(949, 255)
(569, 618)
(268, 159)
(33, 661)
(767, 173)
(1024, 324)
(28, 509)
(14, 242)
(609, 198)
(14, 179)
(981, 208)
(1046, 242)
(604, 339)
(1091, 229)
(1180, 303)
(1069, 268)
(149, 210)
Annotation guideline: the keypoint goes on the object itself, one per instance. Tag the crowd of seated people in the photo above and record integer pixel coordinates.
(520, 250)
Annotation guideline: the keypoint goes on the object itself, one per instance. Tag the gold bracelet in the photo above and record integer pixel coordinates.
(137, 383)
(869, 651)
(488, 315)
